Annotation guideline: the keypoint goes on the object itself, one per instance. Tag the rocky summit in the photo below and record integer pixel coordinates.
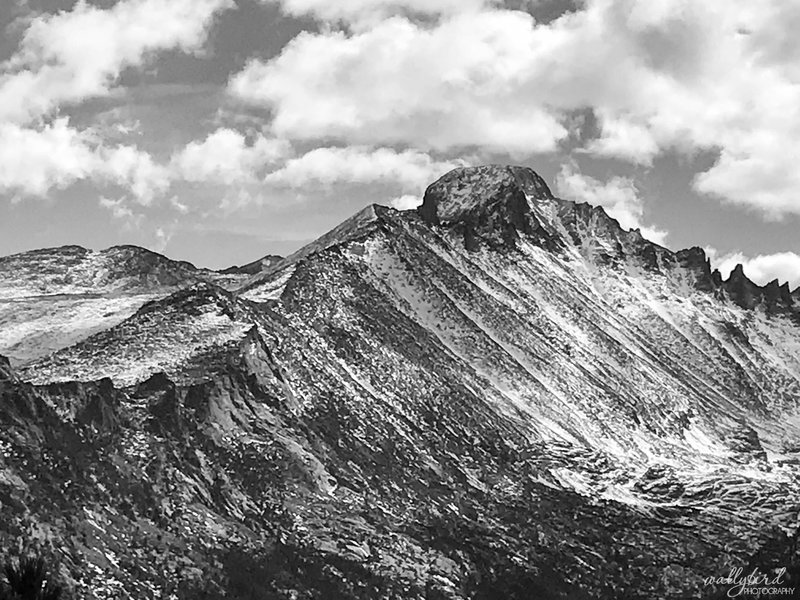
(501, 394)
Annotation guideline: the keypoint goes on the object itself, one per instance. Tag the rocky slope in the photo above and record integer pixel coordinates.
(499, 395)
(55, 297)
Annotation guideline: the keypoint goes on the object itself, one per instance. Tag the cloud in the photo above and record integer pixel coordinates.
(74, 55)
(618, 196)
(163, 236)
(226, 157)
(765, 179)
(409, 170)
(68, 57)
(32, 162)
(369, 11)
(622, 139)
(406, 202)
(446, 87)
(121, 211)
(763, 268)
(672, 75)
(117, 208)
(134, 170)
(35, 161)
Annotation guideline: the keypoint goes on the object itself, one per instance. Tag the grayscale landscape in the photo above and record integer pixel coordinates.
(399, 299)
(501, 394)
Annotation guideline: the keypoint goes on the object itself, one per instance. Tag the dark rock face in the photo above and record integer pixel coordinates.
(741, 290)
(485, 203)
(502, 395)
(695, 261)
(773, 296)
(463, 194)
(6, 373)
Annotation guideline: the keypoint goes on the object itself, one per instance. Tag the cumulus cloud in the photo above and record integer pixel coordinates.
(763, 268)
(226, 157)
(35, 161)
(672, 75)
(73, 55)
(622, 139)
(134, 170)
(68, 57)
(618, 196)
(410, 170)
(452, 85)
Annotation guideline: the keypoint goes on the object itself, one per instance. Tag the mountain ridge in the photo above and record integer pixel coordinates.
(51, 298)
(416, 410)
(737, 287)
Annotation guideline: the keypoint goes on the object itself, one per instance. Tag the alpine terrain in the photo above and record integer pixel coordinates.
(501, 394)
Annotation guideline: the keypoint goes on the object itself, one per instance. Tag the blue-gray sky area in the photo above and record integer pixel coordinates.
(218, 131)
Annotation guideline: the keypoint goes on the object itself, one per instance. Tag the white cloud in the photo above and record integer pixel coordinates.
(368, 11)
(667, 75)
(121, 211)
(456, 84)
(136, 171)
(225, 157)
(73, 55)
(406, 202)
(763, 268)
(409, 170)
(117, 208)
(766, 179)
(622, 139)
(618, 196)
(163, 236)
(69, 56)
(32, 162)
(35, 161)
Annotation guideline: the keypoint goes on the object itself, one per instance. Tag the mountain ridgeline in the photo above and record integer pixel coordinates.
(501, 394)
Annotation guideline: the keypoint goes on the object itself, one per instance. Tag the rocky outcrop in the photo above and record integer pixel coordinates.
(741, 290)
(6, 372)
(489, 204)
(773, 297)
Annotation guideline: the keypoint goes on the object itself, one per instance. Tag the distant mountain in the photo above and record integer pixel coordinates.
(55, 297)
(499, 395)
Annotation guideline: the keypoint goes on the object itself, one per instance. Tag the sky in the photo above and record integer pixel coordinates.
(219, 131)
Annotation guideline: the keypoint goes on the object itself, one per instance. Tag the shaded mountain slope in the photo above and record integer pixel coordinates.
(500, 395)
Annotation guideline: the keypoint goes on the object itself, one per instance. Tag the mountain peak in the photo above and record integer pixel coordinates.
(488, 202)
(463, 193)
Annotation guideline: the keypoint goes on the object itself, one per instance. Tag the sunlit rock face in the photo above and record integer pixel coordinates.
(53, 298)
(501, 394)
